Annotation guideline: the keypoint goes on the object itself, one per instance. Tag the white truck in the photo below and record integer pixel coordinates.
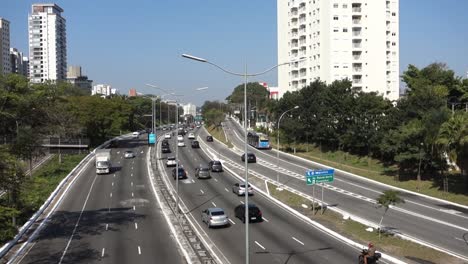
(103, 161)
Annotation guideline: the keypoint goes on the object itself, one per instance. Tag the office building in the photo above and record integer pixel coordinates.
(339, 39)
(75, 77)
(47, 43)
(5, 66)
(18, 62)
(132, 92)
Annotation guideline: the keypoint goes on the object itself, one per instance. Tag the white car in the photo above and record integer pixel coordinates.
(129, 154)
(191, 136)
(181, 144)
(167, 135)
(239, 189)
(180, 138)
(171, 162)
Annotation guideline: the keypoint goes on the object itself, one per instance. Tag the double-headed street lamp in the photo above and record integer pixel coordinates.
(245, 75)
(278, 145)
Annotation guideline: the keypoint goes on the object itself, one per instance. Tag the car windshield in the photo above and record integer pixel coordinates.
(216, 163)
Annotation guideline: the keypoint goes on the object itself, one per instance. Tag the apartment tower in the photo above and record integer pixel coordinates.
(5, 66)
(47, 43)
(337, 39)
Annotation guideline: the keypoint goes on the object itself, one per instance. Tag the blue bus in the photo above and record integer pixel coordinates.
(258, 140)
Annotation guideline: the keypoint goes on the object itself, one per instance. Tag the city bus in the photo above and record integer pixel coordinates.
(258, 140)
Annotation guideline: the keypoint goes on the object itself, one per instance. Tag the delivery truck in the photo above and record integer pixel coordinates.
(103, 161)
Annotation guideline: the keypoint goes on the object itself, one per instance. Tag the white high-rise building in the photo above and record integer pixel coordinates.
(47, 43)
(337, 39)
(190, 109)
(5, 66)
(104, 90)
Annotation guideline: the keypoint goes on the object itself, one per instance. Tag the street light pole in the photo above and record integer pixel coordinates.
(244, 75)
(278, 146)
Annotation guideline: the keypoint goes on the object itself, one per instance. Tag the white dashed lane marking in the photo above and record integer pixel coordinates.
(258, 244)
(102, 252)
(226, 189)
(232, 222)
(213, 204)
(298, 241)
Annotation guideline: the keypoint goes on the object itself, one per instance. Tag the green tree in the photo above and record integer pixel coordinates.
(386, 199)
(453, 139)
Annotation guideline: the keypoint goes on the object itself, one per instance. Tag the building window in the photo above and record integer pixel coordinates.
(345, 6)
(335, 17)
(335, 5)
(345, 30)
(335, 30)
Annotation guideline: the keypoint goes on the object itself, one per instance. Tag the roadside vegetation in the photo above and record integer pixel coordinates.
(218, 133)
(419, 142)
(384, 242)
(33, 192)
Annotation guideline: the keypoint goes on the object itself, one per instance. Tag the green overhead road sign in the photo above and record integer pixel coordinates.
(310, 180)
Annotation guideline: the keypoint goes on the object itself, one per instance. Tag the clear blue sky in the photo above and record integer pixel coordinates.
(127, 45)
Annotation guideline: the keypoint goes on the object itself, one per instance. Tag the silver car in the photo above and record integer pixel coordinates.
(215, 217)
(239, 189)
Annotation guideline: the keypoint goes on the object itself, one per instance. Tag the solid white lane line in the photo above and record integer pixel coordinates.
(133, 208)
(265, 219)
(232, 222)
(132, 194)
(202, 191)
(298, 241)
(258, 244)
(77, 222)
(103, 250)
(213, 204)
(226, 189)
(216, 180)
(459, 239)
(139, 250)
(107, 227)
(136, 225)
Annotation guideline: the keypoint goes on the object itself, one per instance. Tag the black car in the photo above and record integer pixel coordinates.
(250, 158)
(215, 165)
(209, 138)
(165, 142)
(165, 149)
(195, 144)
(255, 215)
(182, 173)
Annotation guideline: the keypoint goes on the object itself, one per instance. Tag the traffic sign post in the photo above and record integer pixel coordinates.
(318, 176)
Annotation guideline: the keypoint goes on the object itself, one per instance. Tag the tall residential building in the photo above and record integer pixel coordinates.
(47, 43)
(337, 39)
(18, 62)
(5, 66)
(190, 109)
(75, 77)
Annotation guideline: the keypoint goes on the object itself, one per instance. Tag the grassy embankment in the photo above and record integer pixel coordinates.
(375, 170)
(34, 191)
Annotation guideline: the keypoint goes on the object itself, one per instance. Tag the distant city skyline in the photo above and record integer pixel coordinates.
(146, 46)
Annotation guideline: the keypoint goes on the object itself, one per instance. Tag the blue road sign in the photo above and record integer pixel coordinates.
(152, 138)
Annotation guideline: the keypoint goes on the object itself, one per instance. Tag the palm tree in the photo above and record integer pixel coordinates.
(453, 139)
(389, 197)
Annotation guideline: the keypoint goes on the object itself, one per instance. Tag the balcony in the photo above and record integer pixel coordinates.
(357, 33)
(302, 30)
(357, 81)
(357, 21)
(357, 57)
(356, 9)
(294, 34)
(294, 45)
(357, 45)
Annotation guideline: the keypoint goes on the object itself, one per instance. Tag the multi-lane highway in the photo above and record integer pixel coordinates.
(280, 238)
(439, 223)
(111, 218)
